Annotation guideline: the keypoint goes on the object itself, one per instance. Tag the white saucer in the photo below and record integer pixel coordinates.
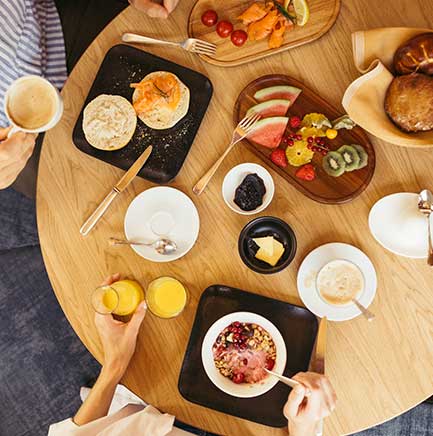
(162, 212)
(235, 177)
(398, 225)
(315, 261)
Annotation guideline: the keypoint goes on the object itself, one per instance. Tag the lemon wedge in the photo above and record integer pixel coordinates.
(302, 12)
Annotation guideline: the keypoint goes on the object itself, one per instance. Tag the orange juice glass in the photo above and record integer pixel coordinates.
(166, 297)
(120, 298)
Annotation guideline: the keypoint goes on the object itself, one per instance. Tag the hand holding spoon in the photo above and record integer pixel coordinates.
(161, 246)
(287, 381)
(367, 313)
(425, 204)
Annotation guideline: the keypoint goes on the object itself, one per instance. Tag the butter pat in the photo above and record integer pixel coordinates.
(270, 250)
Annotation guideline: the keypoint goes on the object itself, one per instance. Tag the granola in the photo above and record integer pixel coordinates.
(242, 351)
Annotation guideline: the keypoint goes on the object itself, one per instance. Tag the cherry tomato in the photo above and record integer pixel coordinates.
(209, 18)
(224, 28)
(239, 37)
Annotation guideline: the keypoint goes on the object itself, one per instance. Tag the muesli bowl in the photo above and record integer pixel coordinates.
(266, 344)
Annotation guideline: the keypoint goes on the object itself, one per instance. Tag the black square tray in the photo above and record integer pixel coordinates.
(123, 65)
(297, 325)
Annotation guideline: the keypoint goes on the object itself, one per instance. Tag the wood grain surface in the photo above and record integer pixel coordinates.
(323, 14)
(324, 189)
(379, 369)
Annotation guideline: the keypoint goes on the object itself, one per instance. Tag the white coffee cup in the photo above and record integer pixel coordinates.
(53, 99)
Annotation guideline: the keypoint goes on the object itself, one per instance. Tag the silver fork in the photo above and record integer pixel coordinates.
(191, 44)
(245, 126)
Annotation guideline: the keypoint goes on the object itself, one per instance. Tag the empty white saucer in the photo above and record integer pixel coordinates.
(162, 212)
(315, 261)
(396, 223)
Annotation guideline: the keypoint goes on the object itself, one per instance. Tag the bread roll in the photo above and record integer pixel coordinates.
(109, 122)
(409, 102)
(415, 55)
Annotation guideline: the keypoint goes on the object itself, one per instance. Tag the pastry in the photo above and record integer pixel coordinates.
(409, 102)
(415, 55)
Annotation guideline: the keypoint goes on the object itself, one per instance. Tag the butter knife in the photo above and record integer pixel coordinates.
(318, 361)
(117, 189)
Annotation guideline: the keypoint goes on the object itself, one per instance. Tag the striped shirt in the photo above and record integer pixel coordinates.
(31, 42)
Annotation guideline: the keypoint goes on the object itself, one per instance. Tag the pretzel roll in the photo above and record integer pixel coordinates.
(415, 55)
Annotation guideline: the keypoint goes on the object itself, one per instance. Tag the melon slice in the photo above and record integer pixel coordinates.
(271, 108)
(278, 92)
(269, 131)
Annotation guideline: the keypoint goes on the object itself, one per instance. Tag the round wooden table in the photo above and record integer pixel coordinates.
(379, 369)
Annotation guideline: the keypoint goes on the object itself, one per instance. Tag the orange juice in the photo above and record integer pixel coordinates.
(166, 297)
(120, 298)
(130, 295)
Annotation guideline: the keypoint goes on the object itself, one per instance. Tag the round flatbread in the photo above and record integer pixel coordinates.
(161, 116)
(109, 122)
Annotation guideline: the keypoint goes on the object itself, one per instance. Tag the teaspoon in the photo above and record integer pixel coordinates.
(425, 203)
(367, 313)
(161, 246)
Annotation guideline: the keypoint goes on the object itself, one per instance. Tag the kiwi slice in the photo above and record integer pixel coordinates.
(350, 156)
(363, 155)
(334, 164)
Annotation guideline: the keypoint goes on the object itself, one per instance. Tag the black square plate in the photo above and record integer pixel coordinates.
(297, 325)
(123, 65)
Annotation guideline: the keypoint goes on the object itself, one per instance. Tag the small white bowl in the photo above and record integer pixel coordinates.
(235, 177)
(243, 390)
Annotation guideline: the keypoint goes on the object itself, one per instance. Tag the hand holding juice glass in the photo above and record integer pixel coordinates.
(166, 297)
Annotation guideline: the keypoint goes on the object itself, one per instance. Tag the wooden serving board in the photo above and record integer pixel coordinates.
(324, 189)
(323, 14)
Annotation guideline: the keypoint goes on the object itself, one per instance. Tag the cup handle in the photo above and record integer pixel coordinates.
(14, 130)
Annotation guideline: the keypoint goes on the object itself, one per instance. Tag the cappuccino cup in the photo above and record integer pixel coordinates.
(33, 105)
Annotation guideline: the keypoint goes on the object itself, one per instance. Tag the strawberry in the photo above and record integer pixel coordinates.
(278, 157)
(307, 172)
(295, 122)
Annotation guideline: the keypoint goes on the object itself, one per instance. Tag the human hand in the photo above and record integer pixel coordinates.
(14, 154)
(153, 9)
(304, 412)
(118, 338)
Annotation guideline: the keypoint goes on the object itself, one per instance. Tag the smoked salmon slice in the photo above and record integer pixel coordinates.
(262, 28)
(255, 12)
(277, 36)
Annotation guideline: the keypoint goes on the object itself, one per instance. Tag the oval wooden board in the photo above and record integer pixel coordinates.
(323, 14)
(324, 189)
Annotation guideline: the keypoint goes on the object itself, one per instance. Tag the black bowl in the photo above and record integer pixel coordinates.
(261, 227)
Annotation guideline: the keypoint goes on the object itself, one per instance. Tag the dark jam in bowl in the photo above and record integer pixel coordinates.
(249, 194)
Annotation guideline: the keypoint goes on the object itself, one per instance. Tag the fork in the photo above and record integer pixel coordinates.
(191, 44)
(245, 126)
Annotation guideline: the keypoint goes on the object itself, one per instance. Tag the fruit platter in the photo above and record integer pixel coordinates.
(247, 30)
(320, 152)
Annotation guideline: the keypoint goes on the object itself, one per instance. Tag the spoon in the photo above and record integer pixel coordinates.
(161, 246)
(367, 313)
(287, 381)
(425, 204)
